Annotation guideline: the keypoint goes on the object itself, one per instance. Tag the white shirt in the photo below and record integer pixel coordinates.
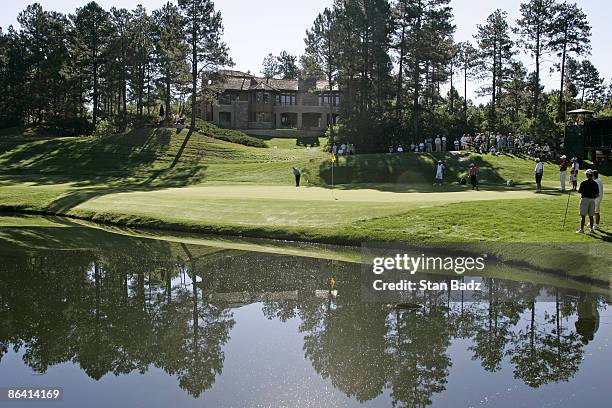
(539, 168)
(439, 171)
(600, 185)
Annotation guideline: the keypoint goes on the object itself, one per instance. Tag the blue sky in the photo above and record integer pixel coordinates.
(255, 27)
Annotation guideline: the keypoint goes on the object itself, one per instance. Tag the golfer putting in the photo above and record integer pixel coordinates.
(473, 173)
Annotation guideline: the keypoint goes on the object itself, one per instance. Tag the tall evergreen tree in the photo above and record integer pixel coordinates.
(322, 47)
(590, 83)
(120, 19)
(570, 34)
(287, 65)
(468, 61)
(203, 29)
(170, 50)
(141, 56)
(425, 43)
(92, 32)
(495, 51)
(269, 66)
(533, 28)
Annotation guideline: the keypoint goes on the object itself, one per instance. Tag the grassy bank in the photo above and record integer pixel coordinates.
(167, 179)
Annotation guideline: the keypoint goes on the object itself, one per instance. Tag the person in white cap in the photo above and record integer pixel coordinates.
(598, 199)
(563, 172)
(439, 173)
(589, 191)
(539, 172)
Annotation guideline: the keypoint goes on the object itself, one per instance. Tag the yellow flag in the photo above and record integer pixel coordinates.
(333, 158)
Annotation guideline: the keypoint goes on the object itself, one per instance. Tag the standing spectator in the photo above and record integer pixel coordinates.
(297, 174)
(429, 144)
(412, 147)
(563, 172)
(443, 143)
(400, 149)
(473, 173)
(438, 143)
(539, 172)
(439, 174)
(457, 144)
(421, 147)
(574, 173)
(589, 191)
(599, 198)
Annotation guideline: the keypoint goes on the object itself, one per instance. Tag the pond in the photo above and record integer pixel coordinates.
(120, 320)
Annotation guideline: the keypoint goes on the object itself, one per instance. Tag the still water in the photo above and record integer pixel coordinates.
(124, 321)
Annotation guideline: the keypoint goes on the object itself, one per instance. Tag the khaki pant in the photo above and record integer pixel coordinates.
(587, 207)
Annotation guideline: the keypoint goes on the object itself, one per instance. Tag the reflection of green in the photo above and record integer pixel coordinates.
(114, 304)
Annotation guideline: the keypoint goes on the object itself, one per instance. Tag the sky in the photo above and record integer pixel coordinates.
(254, 28)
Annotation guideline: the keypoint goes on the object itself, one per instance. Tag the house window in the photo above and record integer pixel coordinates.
(264, 117)
(286, 99)
(327, 99)
(266, 97)
(225, 99)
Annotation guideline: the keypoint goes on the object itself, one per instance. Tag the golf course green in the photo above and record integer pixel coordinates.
(164, 178)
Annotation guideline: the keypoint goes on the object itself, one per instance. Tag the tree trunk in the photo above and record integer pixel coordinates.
(398, 98)
(561, 97)
(494, 87)
(536, 100)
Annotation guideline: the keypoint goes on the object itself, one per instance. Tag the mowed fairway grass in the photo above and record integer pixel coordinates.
(167, 179)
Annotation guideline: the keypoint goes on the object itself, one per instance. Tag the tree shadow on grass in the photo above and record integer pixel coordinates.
(121, 163)
(167, 178)
(86, 160)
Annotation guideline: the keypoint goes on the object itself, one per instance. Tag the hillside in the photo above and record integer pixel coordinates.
(165, 157)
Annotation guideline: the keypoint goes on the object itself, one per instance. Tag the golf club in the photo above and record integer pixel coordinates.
(566, 207)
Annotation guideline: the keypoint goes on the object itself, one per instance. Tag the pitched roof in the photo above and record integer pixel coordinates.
(240, 81)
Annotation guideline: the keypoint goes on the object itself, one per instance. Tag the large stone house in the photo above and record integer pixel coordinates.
(269, 106)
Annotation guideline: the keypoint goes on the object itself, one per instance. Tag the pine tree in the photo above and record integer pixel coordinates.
(92, 31)
(203, 29)
(467, 57)
(287, 65)
(269, 66)
(570, 34)
(424, 38)
(534, 31)
(322, 48)
(170, 50)
(495, 52)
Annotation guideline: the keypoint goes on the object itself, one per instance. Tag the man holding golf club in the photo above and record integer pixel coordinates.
(589, 191)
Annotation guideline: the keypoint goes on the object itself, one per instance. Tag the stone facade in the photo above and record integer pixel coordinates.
(247, 102)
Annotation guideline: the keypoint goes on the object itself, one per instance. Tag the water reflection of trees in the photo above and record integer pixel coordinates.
(124, 312)
(111, 316)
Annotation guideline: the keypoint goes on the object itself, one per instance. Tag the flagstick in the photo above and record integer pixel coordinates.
(332, 175)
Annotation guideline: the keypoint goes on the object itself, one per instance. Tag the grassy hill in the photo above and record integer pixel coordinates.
(166, 157)
(168, 179)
